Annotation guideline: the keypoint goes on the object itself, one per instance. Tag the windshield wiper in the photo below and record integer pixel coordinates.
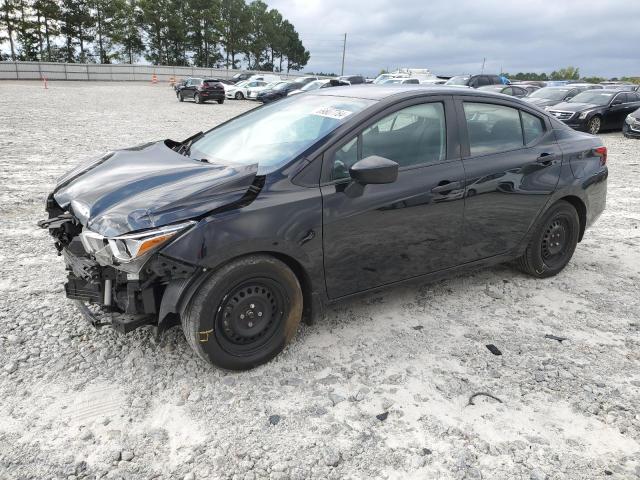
(185, 147)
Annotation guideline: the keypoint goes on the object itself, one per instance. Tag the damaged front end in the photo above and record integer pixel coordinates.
(118, 281)
(110, 219)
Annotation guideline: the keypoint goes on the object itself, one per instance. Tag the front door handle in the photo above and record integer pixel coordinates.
(545, 158)
(446, 186)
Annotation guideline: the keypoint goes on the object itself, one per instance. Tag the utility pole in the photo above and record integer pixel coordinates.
(483, 60)
(344, 48)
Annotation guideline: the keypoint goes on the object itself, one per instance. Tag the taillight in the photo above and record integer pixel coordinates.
(602, 153)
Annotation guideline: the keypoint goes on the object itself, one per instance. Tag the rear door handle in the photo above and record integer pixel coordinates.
(446, 187)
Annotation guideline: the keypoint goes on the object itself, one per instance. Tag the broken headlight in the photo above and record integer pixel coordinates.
(129, 252)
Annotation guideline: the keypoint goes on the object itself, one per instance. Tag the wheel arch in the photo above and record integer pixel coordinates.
(178, 293)
(581, 208)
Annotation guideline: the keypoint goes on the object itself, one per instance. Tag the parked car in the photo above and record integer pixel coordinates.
(596, 110)
(201, 90)
(179, 85)
(550, 96)
(401, 81)
(240, 91)
(475, 81)
(279, 91)
(353, 79)
(252, 93)
(305, 80)
(631, 127)
(512, 90)
(240, 232)
(529, 87)
(625, 88)
(264, 77)
(326, 83)
(241, 77)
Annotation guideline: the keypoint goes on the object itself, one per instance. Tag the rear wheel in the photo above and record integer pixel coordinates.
(221, 101)
(245, 314)
(239, 96)
(594, 125)
(197, 98)
(181, 97)
(553, 242)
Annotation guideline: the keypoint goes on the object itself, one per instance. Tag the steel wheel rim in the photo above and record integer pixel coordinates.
(249, 316)
(556, 241)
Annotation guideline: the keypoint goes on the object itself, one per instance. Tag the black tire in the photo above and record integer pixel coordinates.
(181, 97)
(553, 242)
(239, 96)
(197, 98)
(221, 101)
(594, 125)
(245, 313)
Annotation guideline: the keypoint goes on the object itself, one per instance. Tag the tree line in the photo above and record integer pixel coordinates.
(204, 33)
(566, 73)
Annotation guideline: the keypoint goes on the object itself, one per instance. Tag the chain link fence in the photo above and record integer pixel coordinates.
(113, 72)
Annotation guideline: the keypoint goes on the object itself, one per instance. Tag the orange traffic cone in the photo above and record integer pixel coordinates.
(154, 78)
(172, 80)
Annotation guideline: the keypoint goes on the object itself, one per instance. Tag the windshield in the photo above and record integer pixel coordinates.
(594, 97)
(281, 86)
(241, 84)
(392, 80)
(313, 85)
(276, 133)
(382, 77)
(458, 80)
(550, 93)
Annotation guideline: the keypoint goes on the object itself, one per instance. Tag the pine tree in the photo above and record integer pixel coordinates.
(9, 22)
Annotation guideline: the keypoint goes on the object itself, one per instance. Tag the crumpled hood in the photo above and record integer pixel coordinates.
(148, 186)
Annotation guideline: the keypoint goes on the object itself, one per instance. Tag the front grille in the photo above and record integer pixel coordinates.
(560, 115)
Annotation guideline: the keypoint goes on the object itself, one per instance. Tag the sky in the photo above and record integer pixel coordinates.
(601, 37)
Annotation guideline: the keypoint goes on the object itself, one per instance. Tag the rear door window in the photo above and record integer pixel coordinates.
(532, 126)
(492, 128)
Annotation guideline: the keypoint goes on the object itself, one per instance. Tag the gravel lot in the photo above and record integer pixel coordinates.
(378, 389)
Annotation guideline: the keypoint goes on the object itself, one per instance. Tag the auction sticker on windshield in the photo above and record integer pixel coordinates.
(331, 112)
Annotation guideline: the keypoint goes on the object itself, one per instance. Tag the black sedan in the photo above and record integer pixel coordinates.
(279, 91)
(550, 96)
(631, 127)
(241, 232)
(596, 110)
(512, 90)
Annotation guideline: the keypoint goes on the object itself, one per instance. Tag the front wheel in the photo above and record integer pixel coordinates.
(239, 96)
(181, 97)
(553, 242)
(245, 313)
(594, 125)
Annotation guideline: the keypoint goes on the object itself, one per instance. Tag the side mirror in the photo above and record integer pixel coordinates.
(374, 170)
